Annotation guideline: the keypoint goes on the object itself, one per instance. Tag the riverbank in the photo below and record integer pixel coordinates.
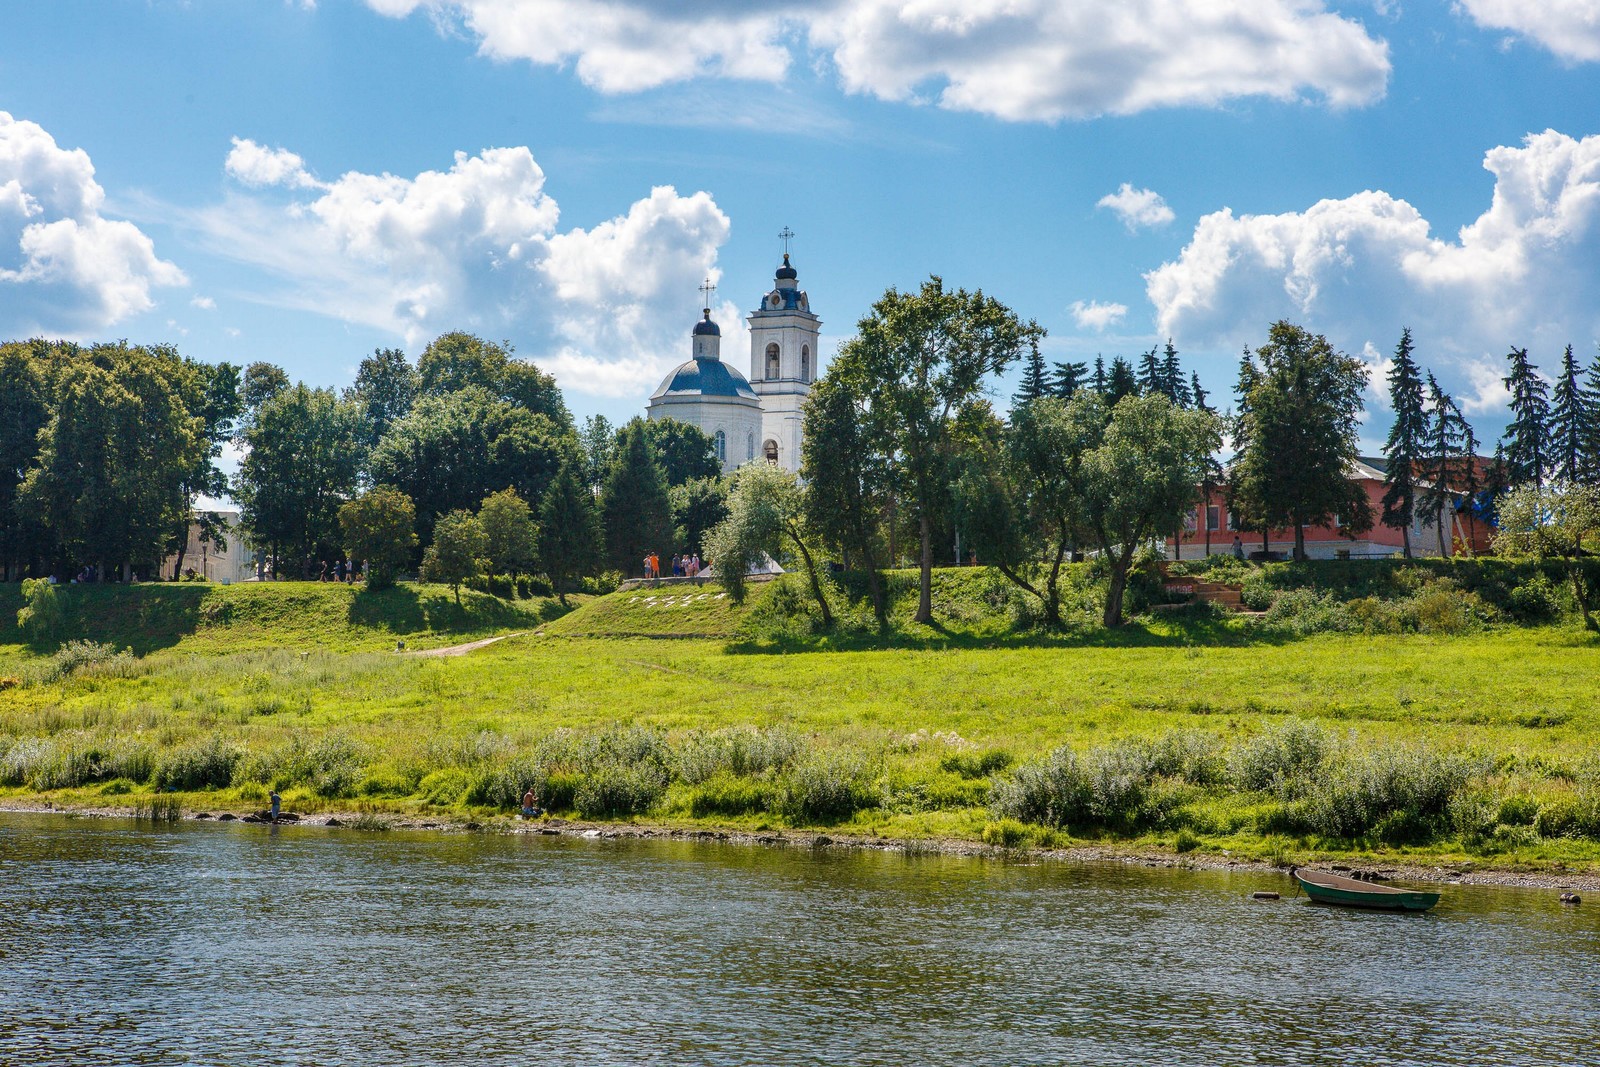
(1376, 868)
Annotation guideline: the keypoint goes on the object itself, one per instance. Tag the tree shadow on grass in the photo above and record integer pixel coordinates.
(1176, 629)
(410, 609)
(145, 618)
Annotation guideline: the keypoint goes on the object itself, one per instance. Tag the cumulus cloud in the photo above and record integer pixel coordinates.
(64, 267)
(479, 247)
(1137, 207)
(204, 303)
(1524, 272)
(1022, 60)
(1093, 315)
(1568, 28)
(256, 165)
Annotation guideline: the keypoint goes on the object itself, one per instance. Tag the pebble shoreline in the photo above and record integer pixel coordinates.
(1463, 874)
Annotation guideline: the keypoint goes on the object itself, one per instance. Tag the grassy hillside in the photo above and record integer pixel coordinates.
(207, 618)
(667, 611)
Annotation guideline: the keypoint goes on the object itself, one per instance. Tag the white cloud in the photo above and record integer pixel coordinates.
(204, 303)
(1486, 381)
(257, 165)
(1524, 272)
(1137, 207)
(1094, 315)
(1568, 28)
(478, 247)
(1022, 60)
(64, 268)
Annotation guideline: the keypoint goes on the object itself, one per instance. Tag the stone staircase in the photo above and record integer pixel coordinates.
(1219, 593)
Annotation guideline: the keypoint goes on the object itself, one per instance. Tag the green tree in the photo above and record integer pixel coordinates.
(457, 361)
(1035, 381)
(511, 538)
(211, 392)
(385, 388)
(847, 481)
(1120, 382)
(635, 506)
(303, 461)
(41, 616)
(1447, 461)
(25, 379)
(1149, 375)
(1299, 435)
(765, 513)
(260, 383)
(115, 458)
(926, 357)
(697, 506)
(1554, 522)
(1137, 475)
(570, 537)
(597, 439)
(379, 527)
(1574, 424)
(457, 552)
(684, 451)
(1173, 384)
(1403, 448)
(1068, 378)
(1527, 438)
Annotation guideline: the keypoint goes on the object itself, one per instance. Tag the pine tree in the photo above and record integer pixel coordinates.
(1100, 374)
(1590, 474)
(1403, 448)
(1120, 382)
(570, 538)
(1445, 456)
(1150, 377)
(1198, 395)
(1572, 424)
(1035, 383)
(1172, 382)
(636, 510)
(1240, 494)
(1527, 439)
(1068, 379)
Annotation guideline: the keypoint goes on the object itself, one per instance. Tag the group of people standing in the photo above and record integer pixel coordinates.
(341, 571)
(684, 566)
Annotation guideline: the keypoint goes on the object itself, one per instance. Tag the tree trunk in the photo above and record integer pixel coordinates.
(1299, 543)
(183, 549)
(925, 592)
(1405, 539)
(1439, 520)
(816, 584)
(1580, 593)
(127, 573)
(1266, 547)
(880, 610)
(1119, 584)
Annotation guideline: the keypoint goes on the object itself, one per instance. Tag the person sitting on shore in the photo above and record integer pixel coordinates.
(530, 805)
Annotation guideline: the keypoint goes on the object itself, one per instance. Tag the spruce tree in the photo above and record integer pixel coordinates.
(1239, 490)
(1590, 473)
(1572, 424)
(1404, 446)
(1068, 378)
(635, 506)
(1100, 374)
(1150, 376)
(1121, 382)
(1172, 382)
(1035, 383)
(569, 528)
(1527, 439)
(1198, 396)
(1445, 457)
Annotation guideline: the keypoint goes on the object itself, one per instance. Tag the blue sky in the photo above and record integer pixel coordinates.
(302, 182)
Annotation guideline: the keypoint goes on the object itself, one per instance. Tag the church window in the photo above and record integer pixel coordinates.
(721, 440)
(749, 447)
(771, 451)
(805, 363)
(772, 361)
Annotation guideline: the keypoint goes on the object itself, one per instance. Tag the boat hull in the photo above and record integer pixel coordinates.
(1349, 893)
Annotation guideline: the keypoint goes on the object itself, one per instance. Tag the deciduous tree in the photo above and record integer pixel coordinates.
(379, 527)
(457, 552)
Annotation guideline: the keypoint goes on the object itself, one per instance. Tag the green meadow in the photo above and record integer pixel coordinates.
(1185, 731)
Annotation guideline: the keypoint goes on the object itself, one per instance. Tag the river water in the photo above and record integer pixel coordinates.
(123, 943)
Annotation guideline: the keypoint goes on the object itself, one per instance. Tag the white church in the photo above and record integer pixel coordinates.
(759, 416)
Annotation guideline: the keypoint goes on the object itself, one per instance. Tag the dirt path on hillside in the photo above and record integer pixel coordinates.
(461, 650)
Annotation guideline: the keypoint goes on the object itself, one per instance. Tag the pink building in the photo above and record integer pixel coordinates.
(1327, 542)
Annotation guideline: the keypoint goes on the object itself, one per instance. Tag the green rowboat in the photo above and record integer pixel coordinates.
(1352, 893)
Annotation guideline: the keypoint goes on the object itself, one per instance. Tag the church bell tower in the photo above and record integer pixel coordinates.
(783, 362)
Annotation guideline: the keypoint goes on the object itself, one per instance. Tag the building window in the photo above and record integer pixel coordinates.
(749, 447)
(721, 440)
(805, 363)
(772, 361)
(770, 449)
(1213, 517)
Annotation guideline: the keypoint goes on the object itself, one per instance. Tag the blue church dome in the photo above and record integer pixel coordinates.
(705, 327)
(705, 377)
(787, 273)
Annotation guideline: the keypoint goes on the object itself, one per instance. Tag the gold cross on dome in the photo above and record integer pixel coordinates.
(706, 289)
(786, 235)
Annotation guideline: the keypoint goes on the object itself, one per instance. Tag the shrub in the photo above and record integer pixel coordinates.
(78, 655)
(42, 614)
(1192, 755)
(983, 764)
(331, 765)
(1304, 612)
(445, 787)
(206, 764)
(823, 791)
(1281, 759)
(1185, 841)
(1006, 833)
(1054, 791)
(619, 789)
(724, 795)
(740, 752)
(1399, 795)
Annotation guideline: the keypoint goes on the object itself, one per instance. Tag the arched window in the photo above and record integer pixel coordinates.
(772, 360)
(750, 447)
(805, 363)
(721, 441)
(771, 451)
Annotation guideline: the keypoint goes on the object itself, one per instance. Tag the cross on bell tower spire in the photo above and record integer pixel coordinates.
(706, 289)
(786, 235)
